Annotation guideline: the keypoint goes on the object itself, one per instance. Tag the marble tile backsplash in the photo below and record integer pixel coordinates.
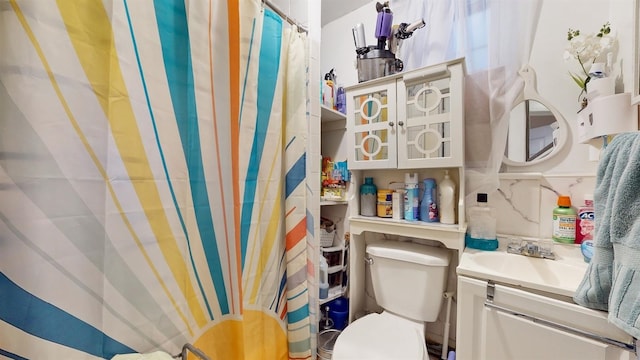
(524, 205)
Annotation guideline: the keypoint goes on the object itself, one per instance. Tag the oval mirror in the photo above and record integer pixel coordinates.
(537, 131)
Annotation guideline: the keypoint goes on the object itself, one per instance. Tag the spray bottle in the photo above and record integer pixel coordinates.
(411, 197)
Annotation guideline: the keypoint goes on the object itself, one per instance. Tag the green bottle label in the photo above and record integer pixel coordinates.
(564, 225)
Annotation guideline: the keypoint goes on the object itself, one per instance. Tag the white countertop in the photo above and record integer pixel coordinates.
(560, 276)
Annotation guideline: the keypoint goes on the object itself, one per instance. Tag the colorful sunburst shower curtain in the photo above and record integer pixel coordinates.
(152, 180)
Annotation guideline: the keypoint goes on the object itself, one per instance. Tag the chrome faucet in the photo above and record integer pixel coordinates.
(533, 248)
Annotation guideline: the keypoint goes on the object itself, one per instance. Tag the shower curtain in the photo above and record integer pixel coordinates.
(152, 180)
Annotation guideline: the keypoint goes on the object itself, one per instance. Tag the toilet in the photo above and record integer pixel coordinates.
(409, 280)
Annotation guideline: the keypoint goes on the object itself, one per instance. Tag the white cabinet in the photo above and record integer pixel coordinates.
(408, 120)
(501, 322)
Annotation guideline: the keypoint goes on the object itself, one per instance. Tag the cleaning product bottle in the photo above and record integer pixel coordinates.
(585, 221)
(323, 283)
(368, 197)
(428, 205)
(447, 199)
(481, 230)
(564, 221)
(411, 197)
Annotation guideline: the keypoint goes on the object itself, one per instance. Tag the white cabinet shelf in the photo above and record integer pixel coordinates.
(333, 202)
(334, 293)
(451, 236)
(329, 115)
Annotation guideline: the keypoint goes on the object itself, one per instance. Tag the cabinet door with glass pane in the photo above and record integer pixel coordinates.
(372, 126)
(431, 111)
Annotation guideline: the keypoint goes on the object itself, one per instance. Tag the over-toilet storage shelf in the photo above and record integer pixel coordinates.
(411, 122)
(451, 236)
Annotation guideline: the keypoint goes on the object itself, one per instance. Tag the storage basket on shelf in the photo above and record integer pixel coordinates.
(327, 232)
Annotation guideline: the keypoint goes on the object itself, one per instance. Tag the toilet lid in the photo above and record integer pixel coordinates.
(375, 337)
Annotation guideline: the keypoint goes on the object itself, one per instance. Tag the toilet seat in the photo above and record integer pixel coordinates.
(381, 336)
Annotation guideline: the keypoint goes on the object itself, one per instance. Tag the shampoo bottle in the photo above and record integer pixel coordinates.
(481, 230)
(447, 199)
(564, 221)
(428, 204)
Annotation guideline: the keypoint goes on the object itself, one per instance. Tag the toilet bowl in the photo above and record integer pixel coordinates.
(408, 282)
(381, 337)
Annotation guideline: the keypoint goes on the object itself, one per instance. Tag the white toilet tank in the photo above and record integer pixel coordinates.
(408, 278)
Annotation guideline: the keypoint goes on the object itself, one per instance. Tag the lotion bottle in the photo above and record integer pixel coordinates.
(447, 199)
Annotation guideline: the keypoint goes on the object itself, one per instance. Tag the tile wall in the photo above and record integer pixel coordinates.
(524, 203)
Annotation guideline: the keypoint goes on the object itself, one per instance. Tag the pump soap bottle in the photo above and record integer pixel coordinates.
(481, 230)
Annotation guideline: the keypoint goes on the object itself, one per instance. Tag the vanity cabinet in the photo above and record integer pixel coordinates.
(498, 321)
(409, 120)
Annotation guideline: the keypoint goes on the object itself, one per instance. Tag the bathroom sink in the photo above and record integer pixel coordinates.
(561, 276)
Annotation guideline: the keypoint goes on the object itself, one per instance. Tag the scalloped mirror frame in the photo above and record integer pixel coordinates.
(530, 92)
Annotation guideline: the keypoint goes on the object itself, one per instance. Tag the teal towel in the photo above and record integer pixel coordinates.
(612, 280)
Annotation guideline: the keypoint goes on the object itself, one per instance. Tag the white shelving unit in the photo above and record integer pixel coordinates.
(333, 131)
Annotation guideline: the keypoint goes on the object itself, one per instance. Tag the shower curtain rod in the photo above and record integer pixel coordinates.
(285, 16)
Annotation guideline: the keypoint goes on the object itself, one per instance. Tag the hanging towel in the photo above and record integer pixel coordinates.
(612, 280)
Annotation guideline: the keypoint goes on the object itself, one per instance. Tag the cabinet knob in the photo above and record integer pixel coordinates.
(401, 123)
(391, 123)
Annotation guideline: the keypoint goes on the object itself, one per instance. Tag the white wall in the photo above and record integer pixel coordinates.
(554, 83)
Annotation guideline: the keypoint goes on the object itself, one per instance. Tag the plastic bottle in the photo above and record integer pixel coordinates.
(397, 200)
(385, 204)
(368, 195)
(429, 205)
(585, 221)
(341, 100)
(328, 95)
(411, 197)
(447, 199)
(323, 284)
(564, 221)
(481, 230)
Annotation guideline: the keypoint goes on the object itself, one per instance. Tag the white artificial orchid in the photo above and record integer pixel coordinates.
(586, 49)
